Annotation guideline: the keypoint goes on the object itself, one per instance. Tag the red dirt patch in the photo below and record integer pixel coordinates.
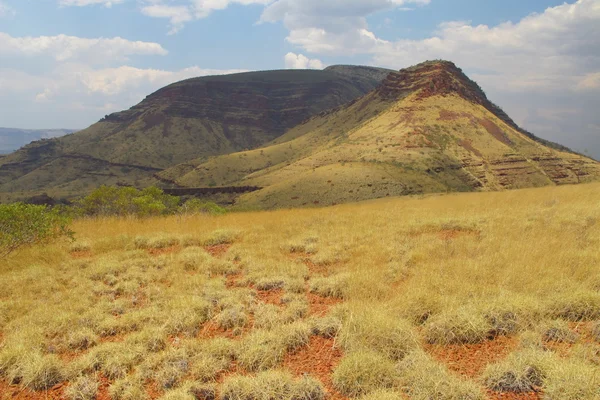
(212, 330)
(449, 234)
(82, 254)
(319, 358)
(468, 145)
(16, 392)
(495, 131)
(166, 250)
(470, 360)
(319, 306)
(270, 296)
(218, 250)
(232, 280)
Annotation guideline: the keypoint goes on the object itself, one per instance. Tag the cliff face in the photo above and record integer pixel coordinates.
(198, 117)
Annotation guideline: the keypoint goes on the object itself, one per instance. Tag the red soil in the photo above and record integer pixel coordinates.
(218, 250)
(166, 250)
(449, 234)
(318, 359)
(16, 392)
(270, 296)
(319, 306)
(82, 254)
(470, 360)
(232, 280)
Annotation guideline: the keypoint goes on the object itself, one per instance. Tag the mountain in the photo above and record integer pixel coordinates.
(194, 118)
(425, 129)
(12, 139)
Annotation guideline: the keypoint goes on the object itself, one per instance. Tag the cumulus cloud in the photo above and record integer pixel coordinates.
(180, 12)
(300, 61)
(5, 10)
(68, 48)
(83, 3)
(82, 79)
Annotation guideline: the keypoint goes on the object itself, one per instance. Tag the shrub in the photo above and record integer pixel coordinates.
(423, 378)
(84, 388)
(572, 380)
(42, 372)
(197, 206)
(121, 201)
(558, 331)
(596, 331)
(522, 371)
(579, 305)
(364, 372)
(271, 385)
(26, 225)
(462, 326)
(376, 330)
(333, 286)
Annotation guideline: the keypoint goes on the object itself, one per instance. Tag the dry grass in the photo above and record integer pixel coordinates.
(378, 279)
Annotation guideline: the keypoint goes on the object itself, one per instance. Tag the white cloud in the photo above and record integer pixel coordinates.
(81, 79)
(83, 3)
(300, 61)
(5, 10)
(177, 15)
(68, 48)
(590, 82)
(180, 12)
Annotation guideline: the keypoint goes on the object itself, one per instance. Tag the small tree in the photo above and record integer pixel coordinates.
(120, 201)
(27, 224)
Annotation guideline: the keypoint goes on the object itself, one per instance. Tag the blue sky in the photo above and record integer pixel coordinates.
(66, 63)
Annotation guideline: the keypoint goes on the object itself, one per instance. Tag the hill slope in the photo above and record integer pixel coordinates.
(426, 129)
(189, 119)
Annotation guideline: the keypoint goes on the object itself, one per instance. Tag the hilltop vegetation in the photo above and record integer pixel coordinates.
(462, 296)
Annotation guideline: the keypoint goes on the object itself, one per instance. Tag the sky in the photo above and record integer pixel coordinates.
(67, 63)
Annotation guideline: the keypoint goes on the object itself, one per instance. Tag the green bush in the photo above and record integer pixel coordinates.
(197, 206)
(121, 201)
(26, 225)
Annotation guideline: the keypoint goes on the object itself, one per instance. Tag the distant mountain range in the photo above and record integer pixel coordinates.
(12, 139)
(344, 134)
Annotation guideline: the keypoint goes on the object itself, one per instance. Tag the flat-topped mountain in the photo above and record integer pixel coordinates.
(425, 129)
(194, 118)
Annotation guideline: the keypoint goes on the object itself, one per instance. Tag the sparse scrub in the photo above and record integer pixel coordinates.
(572, 380)
(84, 388)
(423, 378)
(596, 331)
(558, 331)
(138, 316)
(221, 236)
(332, 286)
(363, 372)
(131, 388)
(522, 371)
(459, 326)
(374, 329)
(271, 385)
(197, 206)
(385, 394)
(578, 305)
(41, 372)
(232, 317)
(327, 327)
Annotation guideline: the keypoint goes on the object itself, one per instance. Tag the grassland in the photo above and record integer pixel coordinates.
(462, 296)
